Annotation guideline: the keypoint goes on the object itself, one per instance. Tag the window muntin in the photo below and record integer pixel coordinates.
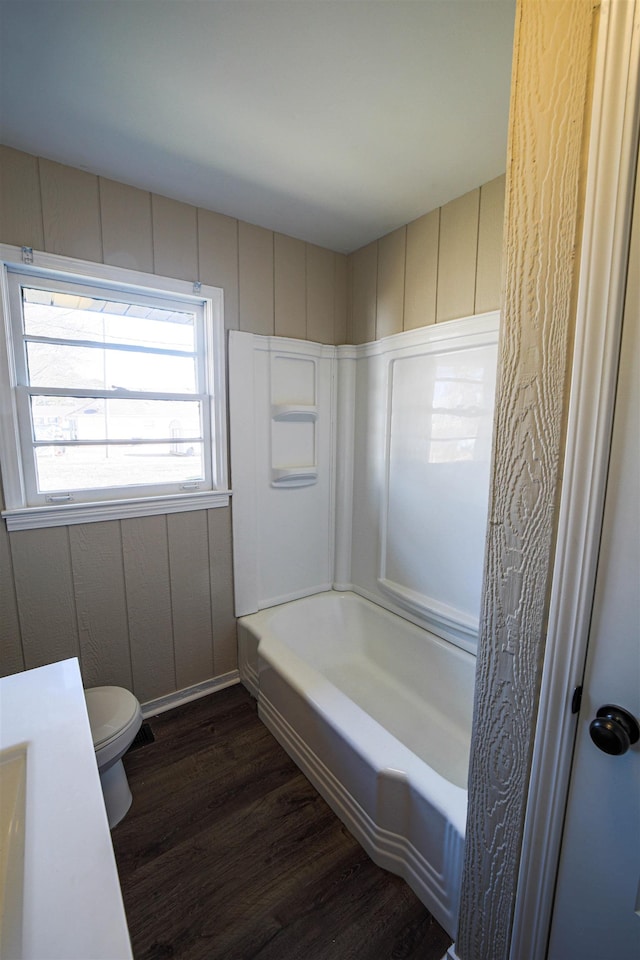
(117, 390)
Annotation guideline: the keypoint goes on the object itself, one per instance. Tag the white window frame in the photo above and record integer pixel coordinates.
(212, 492)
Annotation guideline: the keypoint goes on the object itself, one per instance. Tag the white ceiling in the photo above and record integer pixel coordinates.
(334, 122)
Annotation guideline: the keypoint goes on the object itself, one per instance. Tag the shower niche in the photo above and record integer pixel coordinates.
(294, 414)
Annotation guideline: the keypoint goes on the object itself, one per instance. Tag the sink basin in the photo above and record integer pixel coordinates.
(13, 770)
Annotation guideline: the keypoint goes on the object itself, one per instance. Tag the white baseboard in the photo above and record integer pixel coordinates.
(153, 707)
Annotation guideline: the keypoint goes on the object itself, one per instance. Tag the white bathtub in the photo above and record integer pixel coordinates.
(377, 713)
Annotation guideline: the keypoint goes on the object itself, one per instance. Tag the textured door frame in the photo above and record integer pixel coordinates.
(612, 165)
(549, 138)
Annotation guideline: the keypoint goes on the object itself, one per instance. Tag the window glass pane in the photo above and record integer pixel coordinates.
(58, 365)
(68, 316)
(73, 418)
(94, 467)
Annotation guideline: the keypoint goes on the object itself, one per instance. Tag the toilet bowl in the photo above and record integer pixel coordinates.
(115, 718)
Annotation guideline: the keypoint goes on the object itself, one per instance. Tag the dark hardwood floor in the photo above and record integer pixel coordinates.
(229, 853)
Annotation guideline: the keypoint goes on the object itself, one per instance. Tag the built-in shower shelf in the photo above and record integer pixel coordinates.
(293, 476)
(294, 412)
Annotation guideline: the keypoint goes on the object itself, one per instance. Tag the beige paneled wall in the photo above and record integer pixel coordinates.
(272, 284)
(146, 602)
(446, 264)
(138, 600)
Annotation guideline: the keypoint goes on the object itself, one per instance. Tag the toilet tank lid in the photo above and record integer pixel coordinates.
(111, 710)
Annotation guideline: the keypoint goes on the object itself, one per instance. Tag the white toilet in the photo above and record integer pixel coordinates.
(115, 717)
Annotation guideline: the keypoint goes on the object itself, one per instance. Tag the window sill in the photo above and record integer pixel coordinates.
(62, 515)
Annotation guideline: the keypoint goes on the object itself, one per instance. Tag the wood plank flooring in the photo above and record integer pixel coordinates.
(229, 853)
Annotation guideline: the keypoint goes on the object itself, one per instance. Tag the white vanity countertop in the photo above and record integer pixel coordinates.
(72, 905)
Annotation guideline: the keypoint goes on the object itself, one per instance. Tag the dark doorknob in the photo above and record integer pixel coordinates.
(614, 729)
